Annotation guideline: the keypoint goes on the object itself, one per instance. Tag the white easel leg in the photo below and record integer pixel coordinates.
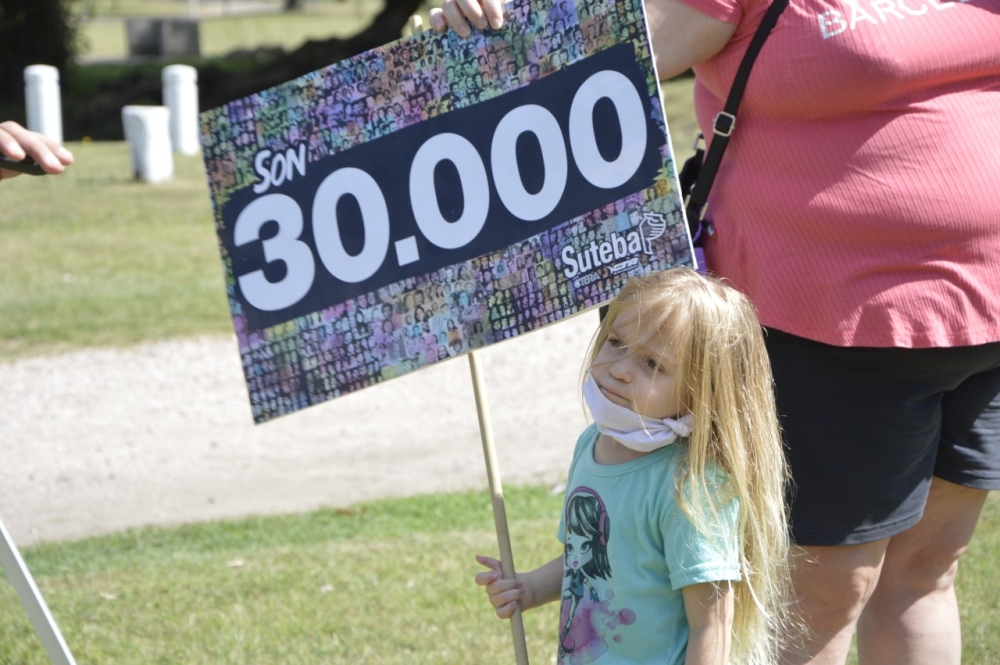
(31, 599)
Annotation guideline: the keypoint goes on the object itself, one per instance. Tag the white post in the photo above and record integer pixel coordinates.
(180, 95)
(42, 101)
(147, 130)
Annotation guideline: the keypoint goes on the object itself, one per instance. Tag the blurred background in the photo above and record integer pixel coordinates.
(110, 53)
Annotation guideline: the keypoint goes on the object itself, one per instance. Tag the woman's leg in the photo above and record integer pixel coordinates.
(832, 586)
(912, 618)
(898, 591)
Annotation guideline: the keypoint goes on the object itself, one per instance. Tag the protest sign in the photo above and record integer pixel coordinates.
(440, 194)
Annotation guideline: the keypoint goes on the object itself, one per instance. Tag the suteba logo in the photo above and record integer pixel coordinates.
(617, 252)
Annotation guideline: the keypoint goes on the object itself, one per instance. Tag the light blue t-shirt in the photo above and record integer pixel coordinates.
(629, 550)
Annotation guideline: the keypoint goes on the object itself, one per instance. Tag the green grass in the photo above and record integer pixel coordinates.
(96, 258)
(387, 582)
(219, 35)
(121, 8)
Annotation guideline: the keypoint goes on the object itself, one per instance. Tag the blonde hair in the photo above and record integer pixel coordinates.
(722, 370)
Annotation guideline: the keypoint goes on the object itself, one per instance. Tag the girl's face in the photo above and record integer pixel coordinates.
(635, 372)
(578, 550)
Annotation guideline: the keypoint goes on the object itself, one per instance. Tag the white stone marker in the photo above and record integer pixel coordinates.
(180, 95)
(42, 101)
(147, 130)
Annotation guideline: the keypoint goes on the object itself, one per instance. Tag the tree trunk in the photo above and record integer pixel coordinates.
(33, 32)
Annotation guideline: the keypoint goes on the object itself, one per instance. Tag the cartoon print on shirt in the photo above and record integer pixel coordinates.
(585, 619)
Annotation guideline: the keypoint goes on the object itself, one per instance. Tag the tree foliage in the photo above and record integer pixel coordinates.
(33, 32)
(219, 87)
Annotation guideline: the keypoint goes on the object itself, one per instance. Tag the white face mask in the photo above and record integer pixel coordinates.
(629, 428)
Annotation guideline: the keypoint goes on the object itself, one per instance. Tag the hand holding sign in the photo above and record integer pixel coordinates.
(458, 13)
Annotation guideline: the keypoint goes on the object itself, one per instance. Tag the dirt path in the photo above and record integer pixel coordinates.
(100, 440)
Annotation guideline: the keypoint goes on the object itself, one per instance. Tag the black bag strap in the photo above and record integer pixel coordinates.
(725, 121)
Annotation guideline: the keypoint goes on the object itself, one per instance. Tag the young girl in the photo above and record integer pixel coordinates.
(674, 531)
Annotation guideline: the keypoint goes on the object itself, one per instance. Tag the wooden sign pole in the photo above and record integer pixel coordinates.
(492, 474)
(496, 494)
(31, 599)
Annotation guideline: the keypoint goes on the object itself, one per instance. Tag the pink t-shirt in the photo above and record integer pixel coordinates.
(858, 202)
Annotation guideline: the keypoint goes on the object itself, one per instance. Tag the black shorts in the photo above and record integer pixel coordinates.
(867, 428)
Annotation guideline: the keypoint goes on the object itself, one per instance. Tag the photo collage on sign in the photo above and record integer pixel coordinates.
(398, 327)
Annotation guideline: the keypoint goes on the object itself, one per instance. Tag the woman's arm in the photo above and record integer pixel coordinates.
(709, 609)
(683, 37)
